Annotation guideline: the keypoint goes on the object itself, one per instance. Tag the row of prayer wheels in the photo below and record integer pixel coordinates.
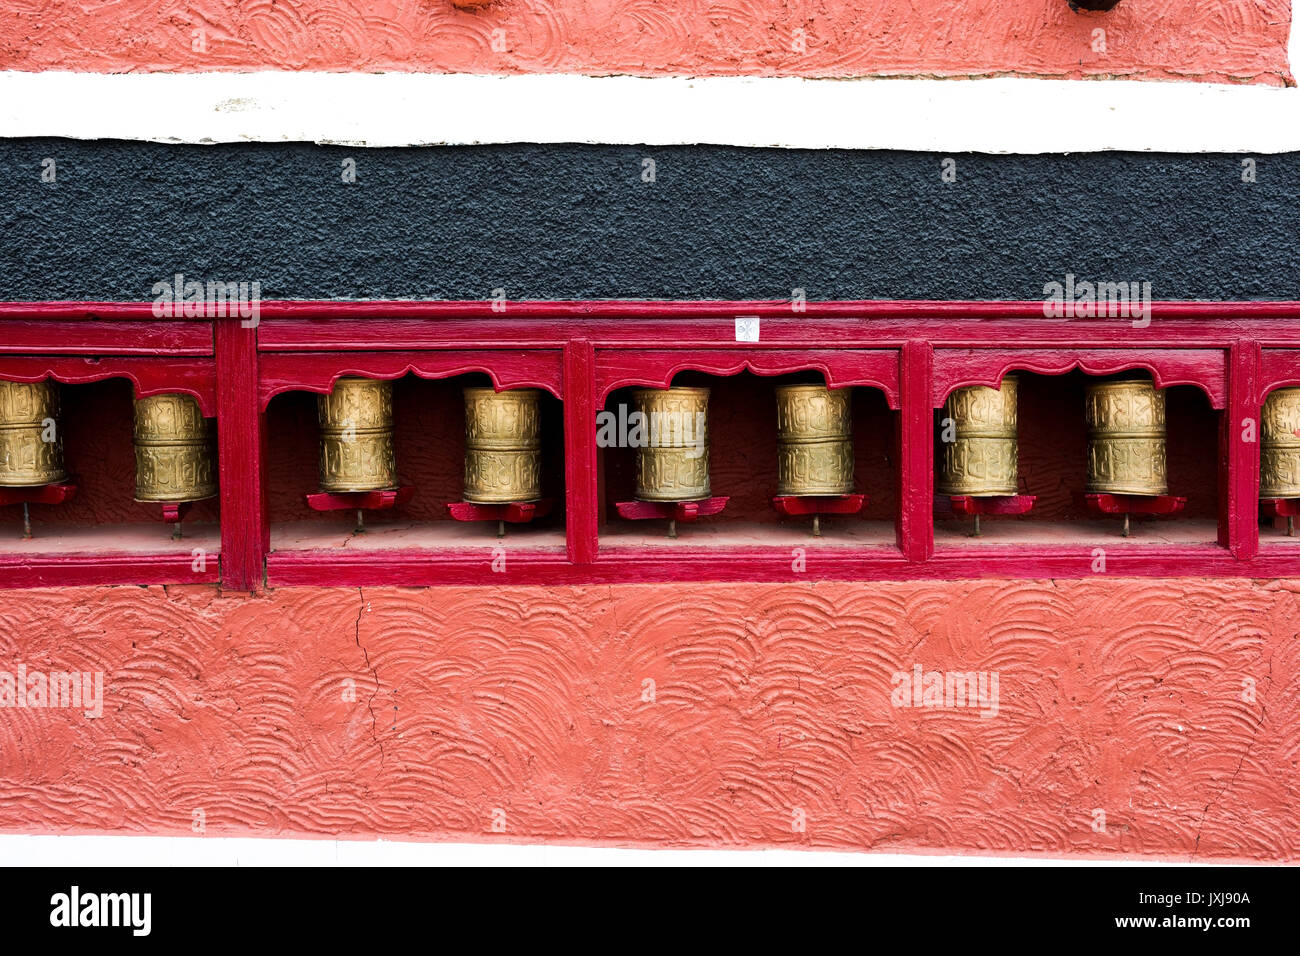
(1125, 423)
(503, 441)
(814, 442)
(1126, 441)
(175, 455)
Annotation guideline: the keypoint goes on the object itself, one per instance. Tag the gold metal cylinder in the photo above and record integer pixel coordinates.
(672, 464)
(31, 436)
(983, 457)
(1279, 464)
(814, 440)
(174, 450)
(356, 436)
(1126, 438)
(503, 445)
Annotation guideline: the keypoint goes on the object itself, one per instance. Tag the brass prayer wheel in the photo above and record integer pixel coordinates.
(1279, 465)
(983, 459)
(814, 436)
(503, 445)
(1126, 438)
(673, 463)
(356, 436)
(31, 439)
(174, 459)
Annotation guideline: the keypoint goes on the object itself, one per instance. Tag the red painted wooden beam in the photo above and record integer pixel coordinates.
(74, 570)
(581, 478)
(241, 457)
(1239, 454)
(915, 524)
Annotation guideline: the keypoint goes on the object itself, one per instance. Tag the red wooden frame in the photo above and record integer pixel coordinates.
(874, 368)
(1204, 368)
(318, 371)
(149, 375)
(914, 352)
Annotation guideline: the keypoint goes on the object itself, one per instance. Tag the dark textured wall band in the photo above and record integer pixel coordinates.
(582, 222)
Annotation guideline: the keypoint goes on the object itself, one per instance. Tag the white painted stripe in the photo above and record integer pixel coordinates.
(402, 109)
(97, 850)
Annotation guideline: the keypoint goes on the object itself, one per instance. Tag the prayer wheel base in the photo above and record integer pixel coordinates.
(174, 512)
(976, 506)
(675, 511)
(802, 506)
(359, 501)
(1126, 505)
(1282, 512)
(514, 512)
(52, 493)
(966, 505)
(366, 500)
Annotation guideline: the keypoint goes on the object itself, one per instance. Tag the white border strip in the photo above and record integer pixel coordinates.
(106, 850)
(408, 109)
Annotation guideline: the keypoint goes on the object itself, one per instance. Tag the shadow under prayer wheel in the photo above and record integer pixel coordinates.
(1126, 438)
(174, 450)
(503, 445)
(814, 440)
(983, 459)
(31, 435)
(356, 436)
(1279, 464)
(673, 463)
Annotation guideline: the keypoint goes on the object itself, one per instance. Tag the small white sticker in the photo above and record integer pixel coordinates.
(746, 328)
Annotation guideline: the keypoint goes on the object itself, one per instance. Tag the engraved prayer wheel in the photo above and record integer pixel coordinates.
(503, 445)
(983, 459)
(356, 436)
(31, 439)
(814, 440)
(1279, 465)
(1126, 438)
(174, 454)
(673, 463)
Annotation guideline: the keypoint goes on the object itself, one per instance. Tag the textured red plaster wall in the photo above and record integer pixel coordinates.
(1236, 40)
(1117, 696)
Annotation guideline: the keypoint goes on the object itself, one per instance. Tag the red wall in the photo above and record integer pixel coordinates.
(1236, 40)
(1119, 696)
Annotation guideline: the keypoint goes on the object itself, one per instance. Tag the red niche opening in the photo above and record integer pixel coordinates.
(101, 515)
(1053, 455)
(743, 467)
(429, 449)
